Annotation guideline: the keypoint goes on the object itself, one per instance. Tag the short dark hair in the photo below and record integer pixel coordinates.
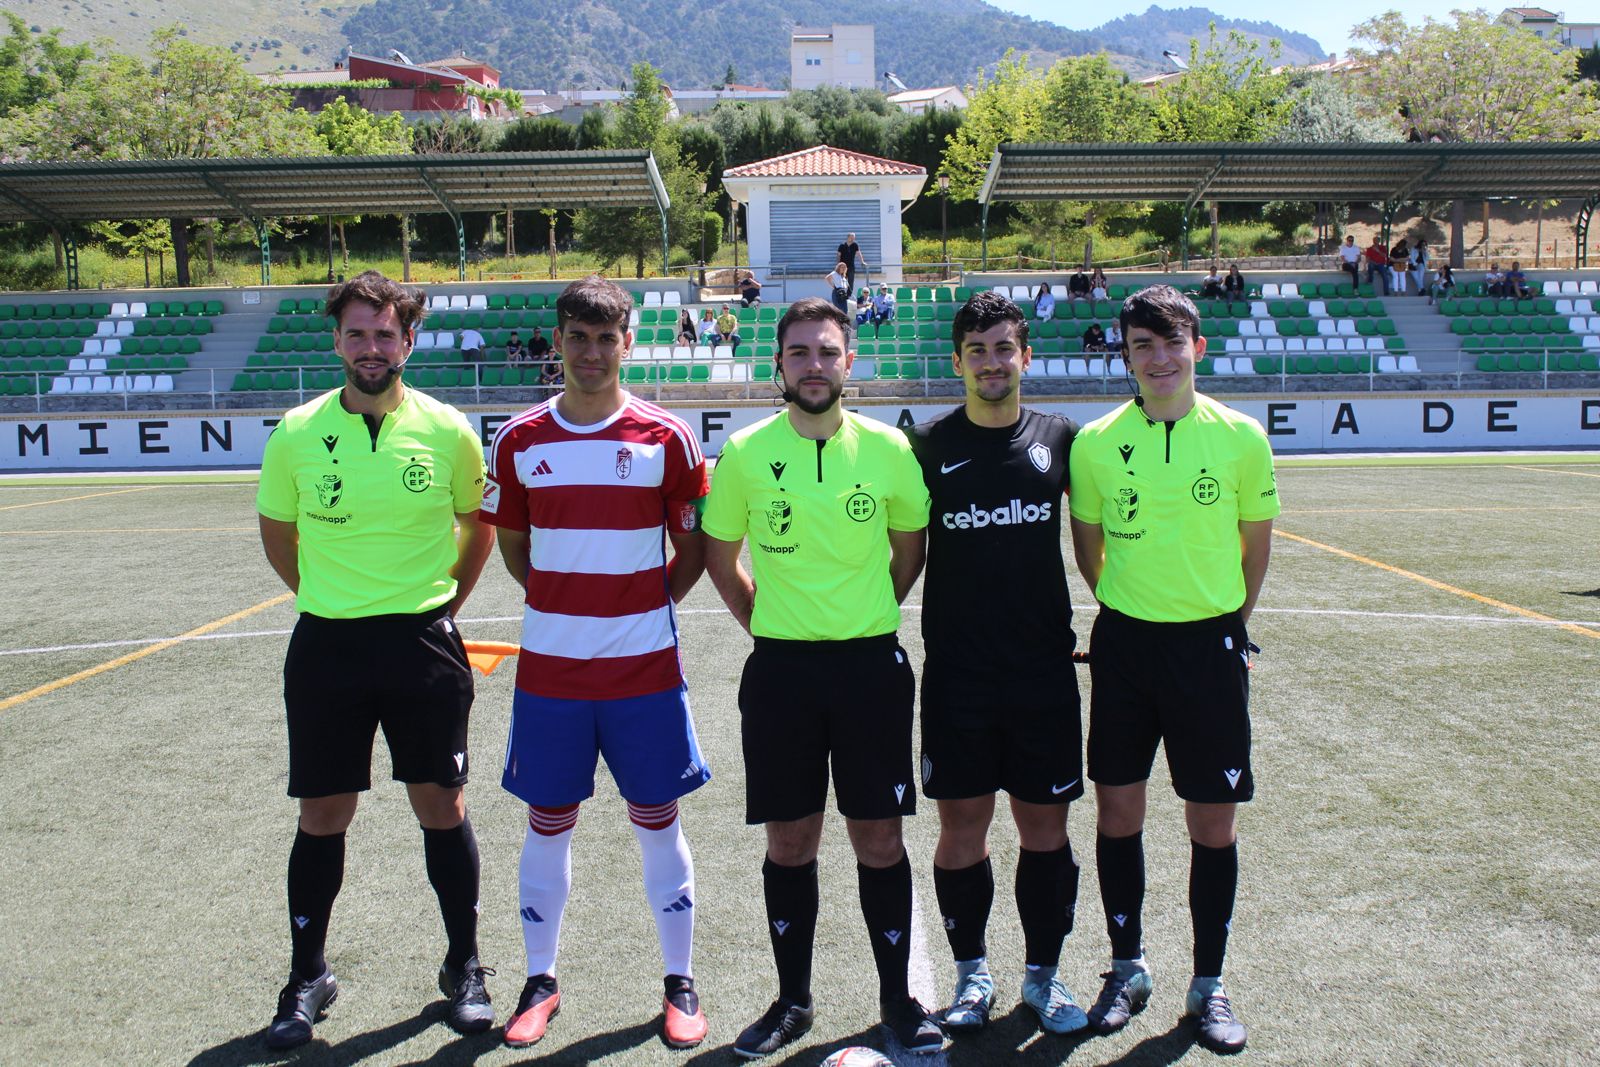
(1160, 309)
(812, 309)
(984, 310)
(594, 300)
(371, 287)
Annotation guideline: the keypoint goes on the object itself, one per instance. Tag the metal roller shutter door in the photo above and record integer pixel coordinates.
(806, 234)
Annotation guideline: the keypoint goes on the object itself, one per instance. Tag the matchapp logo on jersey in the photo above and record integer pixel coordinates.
(1012, 513)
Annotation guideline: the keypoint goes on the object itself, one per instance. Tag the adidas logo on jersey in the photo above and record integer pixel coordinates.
(542, 468)
(683, 903)
(1013, 514)
(693, 770)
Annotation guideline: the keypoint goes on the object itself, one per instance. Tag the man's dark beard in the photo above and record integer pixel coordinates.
(372, 388)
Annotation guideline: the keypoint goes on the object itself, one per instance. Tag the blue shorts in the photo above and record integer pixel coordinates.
(648, 742)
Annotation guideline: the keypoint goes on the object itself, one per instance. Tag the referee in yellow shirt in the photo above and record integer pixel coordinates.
(833, 505)
(1172, 503)
(361, 496)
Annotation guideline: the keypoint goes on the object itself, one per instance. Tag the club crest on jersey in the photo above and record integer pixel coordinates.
(624, 462)
(329, 490)
(780, 515)
(1127, 504)
(1040, 455)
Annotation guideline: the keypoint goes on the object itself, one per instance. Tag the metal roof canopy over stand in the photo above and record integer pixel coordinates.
(1383, 173)
(61, 193)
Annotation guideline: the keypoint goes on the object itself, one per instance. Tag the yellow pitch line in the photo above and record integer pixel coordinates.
(1443, 587)
(71, 679)
(1547, 470)
(143, 529)
(70, 499)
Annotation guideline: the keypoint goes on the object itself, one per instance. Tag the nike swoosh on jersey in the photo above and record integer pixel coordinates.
(946, 468)
(1057, 790)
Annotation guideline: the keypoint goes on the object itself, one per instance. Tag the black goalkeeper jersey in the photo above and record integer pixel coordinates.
(996, 615)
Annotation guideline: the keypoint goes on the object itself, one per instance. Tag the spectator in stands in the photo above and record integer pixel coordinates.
(1044, 303)
(863, 305)
(539, 348)
(849, 255)
(1419, 266)
(1377, 265)
(1233, 284)
(1114, 337)
(1099, 288)
(840, 283)
(687, 334)
(727, 327)
(514, 351)
(1399, 267)
(1078, 286)
(1350, 260)
(1515, 284)
(883, 305)
(1094, 338)
(1444, 284)
(471, 345)
(1211, 286)
(1494, 281)
(550, 375)
(708, 327)
(749, 290)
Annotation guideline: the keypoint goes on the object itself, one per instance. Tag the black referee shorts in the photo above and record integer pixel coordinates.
(343, 678)
(1184, 684)
(804, 703)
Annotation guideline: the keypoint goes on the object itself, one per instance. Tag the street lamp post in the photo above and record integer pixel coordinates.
(702, 224)
(944, 229)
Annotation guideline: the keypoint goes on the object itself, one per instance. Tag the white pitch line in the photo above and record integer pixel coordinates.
(1414, 616)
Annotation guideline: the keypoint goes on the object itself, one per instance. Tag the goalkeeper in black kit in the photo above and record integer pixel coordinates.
(1000, 708)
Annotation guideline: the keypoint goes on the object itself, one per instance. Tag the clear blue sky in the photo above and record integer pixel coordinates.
(1326, 21)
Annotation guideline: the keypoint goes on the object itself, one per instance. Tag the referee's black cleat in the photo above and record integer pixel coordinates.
(301, 1004)
(1216, 1027)
(1124, 995)
(780, 1024)
(470, 1011)
(911, 1025)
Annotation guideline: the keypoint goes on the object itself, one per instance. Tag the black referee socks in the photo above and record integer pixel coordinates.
(965, 896)
(791, 894)
(1121, 861)
(316, 871)
(1047, 898)
(452, 857)
(886, 905)
(1213, 881)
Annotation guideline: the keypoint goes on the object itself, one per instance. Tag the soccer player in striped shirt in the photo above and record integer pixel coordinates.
(586, 488)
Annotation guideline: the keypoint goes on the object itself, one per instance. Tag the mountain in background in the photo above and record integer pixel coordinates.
(593, 43)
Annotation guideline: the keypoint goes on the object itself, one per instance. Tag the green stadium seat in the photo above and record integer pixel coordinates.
(1278, 309)
(1386, 327)
(309, 305)
(1204, 367)
(1267, 364)
(926, 313)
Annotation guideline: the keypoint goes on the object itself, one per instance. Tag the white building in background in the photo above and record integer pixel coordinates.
(833, 55)
(1553, 26)
(798, 208)
(917, 101)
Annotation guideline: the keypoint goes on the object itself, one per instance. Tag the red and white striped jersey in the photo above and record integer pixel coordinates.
(598, 623)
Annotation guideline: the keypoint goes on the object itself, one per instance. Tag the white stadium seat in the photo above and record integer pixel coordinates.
(1591, 341)
(96, 365)
(163, 383)
(82, 384)
(439, 303)
(1232, 345)
(444, 340)
(1077, 368)
(111, 347)
(1568, 288)
(100, 384)
(722, 372)
(1036, 369)
(1244, 366)
(1247, 327)
(1269, 290)
(1347, 328)
(1116, 368)
(137, 310)
(1003, 290)
(1258, 310)
(671, 299)
(458, 302)
(1375, 344)
(700, 352)
(1563, 307)
(1387, 365)
(1058, 291)
(106, 328)
(423, 342)
(143, 383)
(1317, 309)
(1254, 346)
(1327, 327)
(1316, 344)
(1578, 324)
(652, 299)
(1589, 287)
(61, 385)
(121, 383)
(863, 370)
(1335, 344)
(1057, 368)
(78, 366)
(1295, 344)
(477, 302)
(1594, 325)
(1223, 365)
(1097, 367)
(741, 372)
(722, 352)
(119, 310)
(1408, 365)
(1275, 344)
(1289, 289)
(1582, 306)
(1267, 328)
(125, 328)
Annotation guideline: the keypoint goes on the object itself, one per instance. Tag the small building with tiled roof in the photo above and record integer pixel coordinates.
(799, 206)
